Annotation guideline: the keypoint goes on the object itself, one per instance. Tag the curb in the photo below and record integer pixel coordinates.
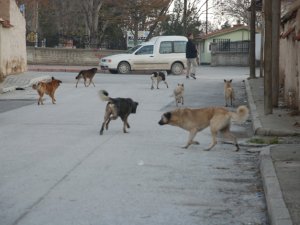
(277, 210)
(257, 126)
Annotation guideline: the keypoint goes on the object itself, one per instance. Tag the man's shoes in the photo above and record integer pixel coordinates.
(193, 76)
(187, 77)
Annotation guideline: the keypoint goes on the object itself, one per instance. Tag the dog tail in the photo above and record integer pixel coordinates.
(241, 114)
(78, 76)
(103, 95)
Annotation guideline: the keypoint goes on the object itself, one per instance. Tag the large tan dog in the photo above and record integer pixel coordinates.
(48, 88)
(195, 120)
(86, 75)
(228, 92)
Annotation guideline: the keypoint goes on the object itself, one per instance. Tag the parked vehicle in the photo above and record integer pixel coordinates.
(159, 53)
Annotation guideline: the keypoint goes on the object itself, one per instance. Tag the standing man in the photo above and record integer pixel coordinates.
(191, 56)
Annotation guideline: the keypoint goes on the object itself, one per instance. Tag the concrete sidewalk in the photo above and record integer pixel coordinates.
(279, 164)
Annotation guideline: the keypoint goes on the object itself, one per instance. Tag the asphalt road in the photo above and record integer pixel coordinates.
(55, 168)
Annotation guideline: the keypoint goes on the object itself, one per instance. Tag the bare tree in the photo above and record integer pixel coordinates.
(233, 9)
(142, 14)
(91, 10)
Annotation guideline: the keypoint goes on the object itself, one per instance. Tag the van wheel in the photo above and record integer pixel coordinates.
(177, 68)
(123, 67)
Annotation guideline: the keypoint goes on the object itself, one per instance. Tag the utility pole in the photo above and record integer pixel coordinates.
(36, 22)
(184, 17)
(206, 21)
(275, 50)
(268, 103)
(252, 39)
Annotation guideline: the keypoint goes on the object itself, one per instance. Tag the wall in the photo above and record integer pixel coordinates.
(66, 56)
(229, 59)
(13, 57)
(289, 62)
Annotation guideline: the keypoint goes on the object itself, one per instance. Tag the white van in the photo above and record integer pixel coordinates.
(159, 53)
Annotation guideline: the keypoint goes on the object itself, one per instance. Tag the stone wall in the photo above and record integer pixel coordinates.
(66, 56)
(13, 57)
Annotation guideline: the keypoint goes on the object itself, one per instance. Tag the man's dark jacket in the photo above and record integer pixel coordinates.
(190, 51)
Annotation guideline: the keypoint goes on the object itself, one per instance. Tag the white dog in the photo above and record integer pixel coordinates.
(178, 94)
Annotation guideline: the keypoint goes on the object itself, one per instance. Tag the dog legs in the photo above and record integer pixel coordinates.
(226, 133)
(77, 82)
(40, 101)
(91, 82)
(52, 97)
(214, 140)
(218, 124)
(125, 124)
(166, 84)
(110, 114)
(191, 137)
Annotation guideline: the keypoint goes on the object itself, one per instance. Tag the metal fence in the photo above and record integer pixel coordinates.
(225, 45)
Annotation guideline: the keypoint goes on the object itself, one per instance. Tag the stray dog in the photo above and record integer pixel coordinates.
(178, 94)
(48, 88)
(158, 77)
(195, 120)
(86, 74)
(228, 92)
(117, 107)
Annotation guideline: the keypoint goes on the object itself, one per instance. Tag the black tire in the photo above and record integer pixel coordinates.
(177, 68)
(113, 71)
(124, 67)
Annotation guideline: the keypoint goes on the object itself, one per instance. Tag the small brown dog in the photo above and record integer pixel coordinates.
(48, 88)
(196, 120)
(86, 74)
(158, 77)
(228, 92)
(178, 94)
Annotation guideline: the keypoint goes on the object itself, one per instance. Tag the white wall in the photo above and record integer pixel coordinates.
(13, 57)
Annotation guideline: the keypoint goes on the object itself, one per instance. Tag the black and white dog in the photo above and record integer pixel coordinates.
(158, 77)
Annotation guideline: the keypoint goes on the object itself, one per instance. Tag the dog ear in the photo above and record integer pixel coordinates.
(168, 115)
(230, 81)
(224, 81)
(53, 78)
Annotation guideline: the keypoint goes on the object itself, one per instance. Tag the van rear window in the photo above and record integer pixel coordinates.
(167, 47)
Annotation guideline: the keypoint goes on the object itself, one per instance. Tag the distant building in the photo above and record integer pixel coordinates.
(13, 58)
(222, 40)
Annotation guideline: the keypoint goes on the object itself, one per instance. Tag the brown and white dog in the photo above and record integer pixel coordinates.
(228, 92)
(196, 120)
(86, 75)
(157, 77)
(178, 94)
(117, 107)
(48, 88)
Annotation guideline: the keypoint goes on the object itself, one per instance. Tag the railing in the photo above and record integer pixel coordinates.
(225, 45)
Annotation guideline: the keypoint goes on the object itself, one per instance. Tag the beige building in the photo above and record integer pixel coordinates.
(13, 58)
